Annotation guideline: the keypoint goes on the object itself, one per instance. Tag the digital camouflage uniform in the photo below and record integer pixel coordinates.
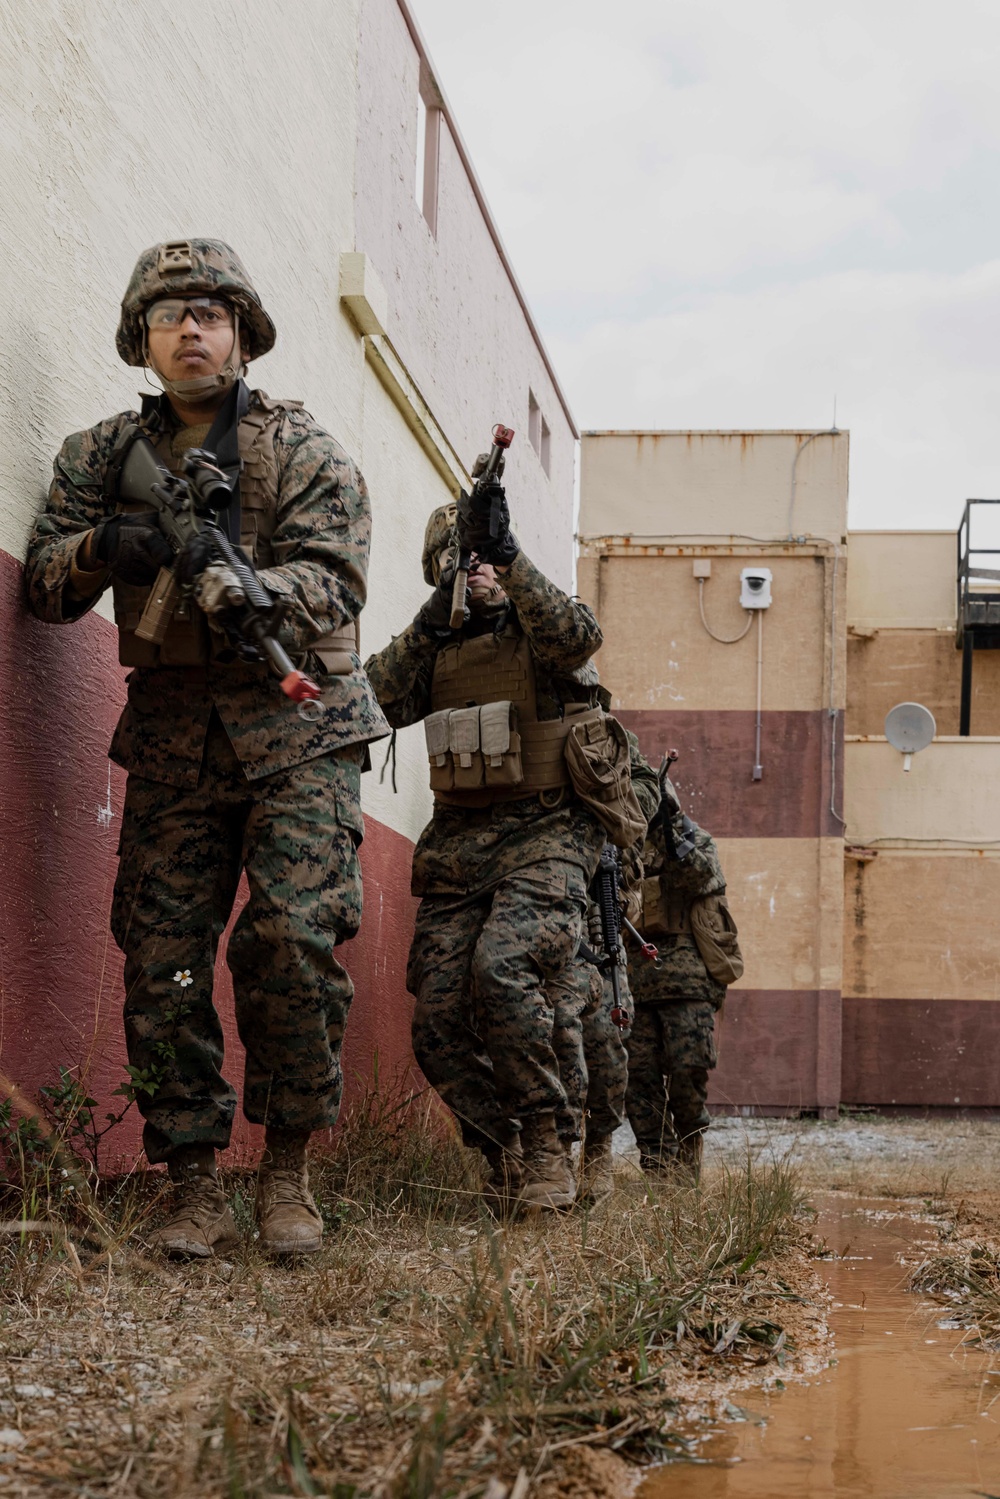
(503, 888)
(671, 1049)
(224, 777)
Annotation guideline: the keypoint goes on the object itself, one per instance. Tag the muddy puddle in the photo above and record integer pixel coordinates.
(904, 1413)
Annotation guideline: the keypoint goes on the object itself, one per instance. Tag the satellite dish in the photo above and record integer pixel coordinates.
(909, 728)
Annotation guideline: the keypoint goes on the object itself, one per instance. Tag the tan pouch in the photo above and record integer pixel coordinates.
(597, 758)
(439, 750)
(466, 756)
(337, 648)
(652, 905)
(630, 883)
(500, 744)
(714, 932)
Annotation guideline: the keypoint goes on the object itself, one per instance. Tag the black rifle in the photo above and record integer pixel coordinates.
(676, 849)
(502, 439)
(187, 508)
(609, 906)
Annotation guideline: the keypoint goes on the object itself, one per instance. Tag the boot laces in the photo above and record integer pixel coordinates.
(286, 1187)
(197, 1196)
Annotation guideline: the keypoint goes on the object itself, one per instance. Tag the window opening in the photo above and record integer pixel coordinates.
(545, 446)
(428, 150)
(418, 181)
(534, 423)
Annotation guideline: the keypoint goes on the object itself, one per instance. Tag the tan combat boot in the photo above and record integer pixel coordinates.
(506, 1162)
(200, 1222)
(597, 1181)
(287, 1216)
(548, 1174)
(689, 1154)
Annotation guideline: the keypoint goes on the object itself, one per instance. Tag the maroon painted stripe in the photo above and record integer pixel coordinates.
(939, 1053)
(779, 1051)
(714, 774)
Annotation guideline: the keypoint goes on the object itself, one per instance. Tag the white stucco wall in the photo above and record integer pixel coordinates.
(125, 125)
(455, 319)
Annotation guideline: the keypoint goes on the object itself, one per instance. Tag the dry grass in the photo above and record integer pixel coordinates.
(964, 1275)
(426, 1351)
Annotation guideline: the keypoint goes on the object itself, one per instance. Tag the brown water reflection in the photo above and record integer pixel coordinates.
(904, 1414)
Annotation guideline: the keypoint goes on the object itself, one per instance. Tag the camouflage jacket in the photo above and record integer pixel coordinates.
(464, 851)
(682, 973)
(322, 535)
(562, 633)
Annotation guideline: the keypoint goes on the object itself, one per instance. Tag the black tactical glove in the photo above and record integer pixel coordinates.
(132, 546)
(474, 529)
(193, 559)
(434, 618)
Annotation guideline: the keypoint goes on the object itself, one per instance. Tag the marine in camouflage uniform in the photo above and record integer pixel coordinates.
(671, 1049)
(502, 873)
(224, 777)
(596, 1098)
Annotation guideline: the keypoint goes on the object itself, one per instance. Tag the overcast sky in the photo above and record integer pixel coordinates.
(726, 214)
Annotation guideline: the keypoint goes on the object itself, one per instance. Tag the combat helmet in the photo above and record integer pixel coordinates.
(440, 533)
(185, 268)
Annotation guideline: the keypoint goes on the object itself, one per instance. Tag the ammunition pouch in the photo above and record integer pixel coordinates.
(473, 748)
(715, 935)
(598, 761)
(478, 755)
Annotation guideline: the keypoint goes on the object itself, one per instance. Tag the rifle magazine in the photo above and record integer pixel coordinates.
(160, 606)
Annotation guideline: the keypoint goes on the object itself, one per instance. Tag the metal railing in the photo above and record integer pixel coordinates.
(978, 604)
(978, 583)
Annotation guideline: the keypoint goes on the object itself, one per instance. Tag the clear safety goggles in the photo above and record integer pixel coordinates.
(170, 312)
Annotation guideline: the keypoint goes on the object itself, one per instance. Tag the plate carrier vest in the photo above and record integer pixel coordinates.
(190, 642)
(485, 741)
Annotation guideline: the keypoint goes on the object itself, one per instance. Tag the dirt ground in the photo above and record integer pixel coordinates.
(428, 1357)
(865, 1154)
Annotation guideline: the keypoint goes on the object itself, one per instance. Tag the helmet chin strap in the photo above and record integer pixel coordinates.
(205, 385)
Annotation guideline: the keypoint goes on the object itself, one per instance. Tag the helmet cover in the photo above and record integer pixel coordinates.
(440, 533)
(190, 268)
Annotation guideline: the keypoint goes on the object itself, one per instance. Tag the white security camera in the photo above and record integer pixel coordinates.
(755, 588)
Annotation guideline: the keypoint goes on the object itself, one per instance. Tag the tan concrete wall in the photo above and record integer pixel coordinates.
(785, 895)
(650, 505)
(658, 654)
(922, 925)
(901, 579)
(897, 666)
(948, 796)
(656, 484)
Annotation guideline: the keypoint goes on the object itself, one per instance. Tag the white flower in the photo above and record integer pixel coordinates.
(183, 977)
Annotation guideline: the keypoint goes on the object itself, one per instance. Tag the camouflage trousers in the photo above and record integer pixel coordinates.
(182, 851)
(585, 1031)
(671, 1051)
(484, 970)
